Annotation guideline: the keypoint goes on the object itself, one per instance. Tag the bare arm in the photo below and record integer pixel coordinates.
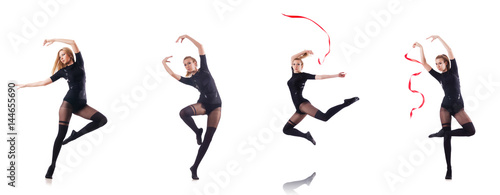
(70, 42)
(320, 77)
(422, 57)
(201, 51)
(164, 62)
(302, 54)
(35, 84)
(448, 49)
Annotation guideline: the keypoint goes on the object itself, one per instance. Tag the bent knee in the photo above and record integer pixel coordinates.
(103, 121)
(184, 113)
(469, 127)
(100, 119)
(472, 132)
(287, 128)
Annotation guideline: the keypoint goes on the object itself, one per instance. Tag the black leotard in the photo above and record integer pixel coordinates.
(75, 74)
(296, 86)
(203, 81)
(450, 82)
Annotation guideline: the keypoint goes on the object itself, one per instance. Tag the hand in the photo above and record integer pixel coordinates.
(48, 42)
(342, 74)
(309, 52)
(165, 60)
(182, 37)
(416, 44)
(19, 86)
(433, 37)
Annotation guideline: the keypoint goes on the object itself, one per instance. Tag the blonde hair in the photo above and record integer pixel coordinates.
(58, 65)
(196, 67)
(304, 55)
(445, 58)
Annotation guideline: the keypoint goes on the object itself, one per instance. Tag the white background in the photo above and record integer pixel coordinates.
(146, 147)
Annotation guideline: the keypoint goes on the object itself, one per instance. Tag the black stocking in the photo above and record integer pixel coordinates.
(467, 130)
(467, 126)
(309, 109)
(186, 115)
(212, 123)
(98, 120)
(290, 130)
(64, 117)
(447, 150)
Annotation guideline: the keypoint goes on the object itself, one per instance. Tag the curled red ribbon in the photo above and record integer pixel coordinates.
(409, 85)
(319, 61)
(413, 60)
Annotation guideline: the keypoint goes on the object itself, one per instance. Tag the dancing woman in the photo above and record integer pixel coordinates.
(209, 102)
(453, 104)
(303, 106)
(69, 67)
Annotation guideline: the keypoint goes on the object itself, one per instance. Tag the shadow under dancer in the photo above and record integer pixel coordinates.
(290, 187)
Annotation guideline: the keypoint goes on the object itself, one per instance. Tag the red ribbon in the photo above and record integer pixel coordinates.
(414, 91)
(413, 60)
(319, 61)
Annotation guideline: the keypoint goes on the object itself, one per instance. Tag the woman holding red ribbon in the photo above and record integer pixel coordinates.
(453, 104)
(303, 106)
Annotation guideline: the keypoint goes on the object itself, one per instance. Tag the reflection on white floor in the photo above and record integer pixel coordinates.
(290, 187)
(48, 182)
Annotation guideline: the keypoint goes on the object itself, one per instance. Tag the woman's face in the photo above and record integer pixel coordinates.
(297, 66)
(190, 65)
(441, 65)
(64, 57)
